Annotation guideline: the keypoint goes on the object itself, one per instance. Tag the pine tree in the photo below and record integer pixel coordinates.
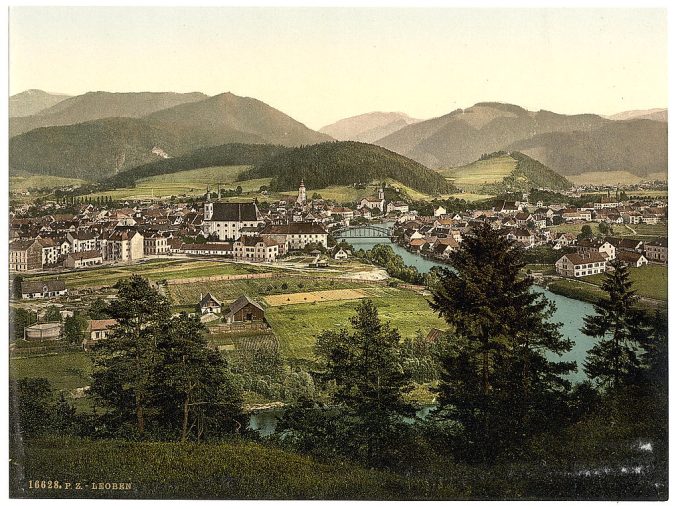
(495, 378)
(619, 326)
(125, 364)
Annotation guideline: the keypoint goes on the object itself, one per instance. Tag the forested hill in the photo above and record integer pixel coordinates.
(230, 154)
(536, 174)
(346, 163)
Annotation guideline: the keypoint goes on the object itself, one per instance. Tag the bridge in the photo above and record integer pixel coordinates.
(367, 231)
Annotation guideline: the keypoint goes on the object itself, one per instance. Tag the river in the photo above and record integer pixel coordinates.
(569, 312)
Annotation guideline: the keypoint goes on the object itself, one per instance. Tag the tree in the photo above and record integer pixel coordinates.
(495, 379)
(16, 286)
(52, 314)
(125, 364)
(364, 367)
(620, 328)
(31, 405)
(98, 309)
(604, 228)
(19, 319)
(74, 328)
(195, 389)
(586, 232)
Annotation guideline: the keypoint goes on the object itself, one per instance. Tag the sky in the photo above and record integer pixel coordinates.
(322, 64)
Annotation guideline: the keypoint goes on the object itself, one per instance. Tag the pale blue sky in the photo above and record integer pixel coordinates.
(322, 64)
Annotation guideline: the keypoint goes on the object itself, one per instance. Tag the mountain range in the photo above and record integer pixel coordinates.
(566, 143)
(368, 127)
(99, 134)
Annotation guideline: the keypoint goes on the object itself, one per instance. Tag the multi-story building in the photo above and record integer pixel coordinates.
(82, 241)
(155, 244)
(657, 250)
(256, 249)
(579, 265)
(225, 220)
(125, 244)
(297, 235)
(25, 255)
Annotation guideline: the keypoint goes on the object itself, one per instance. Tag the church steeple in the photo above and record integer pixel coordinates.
(302, 193)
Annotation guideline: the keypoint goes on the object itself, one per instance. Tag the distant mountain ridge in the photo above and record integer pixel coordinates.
(658, 114)
(98, 105)
(368, 127)
(458, 138)
(33, 101)
(103, 147)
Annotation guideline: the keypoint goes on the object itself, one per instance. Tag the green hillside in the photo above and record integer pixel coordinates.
(105, 147)
(346, 163)
(501, 172)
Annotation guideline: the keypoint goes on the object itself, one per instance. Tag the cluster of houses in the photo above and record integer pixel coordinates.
(526, 224)
(96, 235)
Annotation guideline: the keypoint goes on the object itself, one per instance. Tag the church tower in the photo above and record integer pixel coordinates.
(381, 193)
(207, 205)
(302, 194)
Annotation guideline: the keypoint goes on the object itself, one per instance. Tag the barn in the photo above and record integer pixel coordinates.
(244, 309)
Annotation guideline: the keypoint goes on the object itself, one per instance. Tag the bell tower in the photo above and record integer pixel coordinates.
(302, 193)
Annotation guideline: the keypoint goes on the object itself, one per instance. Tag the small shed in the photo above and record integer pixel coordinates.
(209, 304)
(244, 309)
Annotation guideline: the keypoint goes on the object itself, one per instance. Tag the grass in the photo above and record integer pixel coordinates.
(297, 326)
(576, 290)
(605, 178)
(153, 270)
(288, 299)
(226, 470)
(189, 182)
(64, 371)
(649, 281)
(478, 173)
(23, 183)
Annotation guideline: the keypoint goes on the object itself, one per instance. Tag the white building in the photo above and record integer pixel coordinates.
(579, 265)
(226, 219)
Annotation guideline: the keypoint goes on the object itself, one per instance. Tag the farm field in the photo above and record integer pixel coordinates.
(298, 325)
(64, 371)
(225, 291)
(649, 281)
(287, 299)
(632, 230)
(153, 270)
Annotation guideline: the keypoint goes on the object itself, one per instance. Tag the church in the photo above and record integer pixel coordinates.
(227, 219)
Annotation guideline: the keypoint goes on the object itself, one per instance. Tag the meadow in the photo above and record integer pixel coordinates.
(24, 183)
(631, 230)
(64, 371)
(602, 178)
(478, 173)
(298, 325)
(648, 281)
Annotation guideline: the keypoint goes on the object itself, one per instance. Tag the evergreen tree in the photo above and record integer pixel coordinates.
(495, 378)
(619, 326)
(125, 364)
(195, 389)
(52, 314)
(74, 328)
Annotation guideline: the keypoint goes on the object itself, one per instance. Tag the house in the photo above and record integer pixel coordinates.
(43, 289)
(25, 255)
(372, 203)
(50, 250)
(523, 219)
(256, 249)
(343, 212)
(124, 244)
(397, 206)
(626, 244)
(439, 211)
(208, 248)
(97, 330)
(657, 250)
(297, 235)
(244, 309)
(83, 259)
(155, 244)
(570, 215)
(564, 239)
(632, 259)
(596, 246)
(341, 254)
(209, 304)
(581, 264)
(606, 203)
(81, 240)
(225, 220)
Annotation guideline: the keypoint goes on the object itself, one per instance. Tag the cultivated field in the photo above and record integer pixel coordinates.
(602, 178)
(41, 182)
(64, 371)
(313, 297)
